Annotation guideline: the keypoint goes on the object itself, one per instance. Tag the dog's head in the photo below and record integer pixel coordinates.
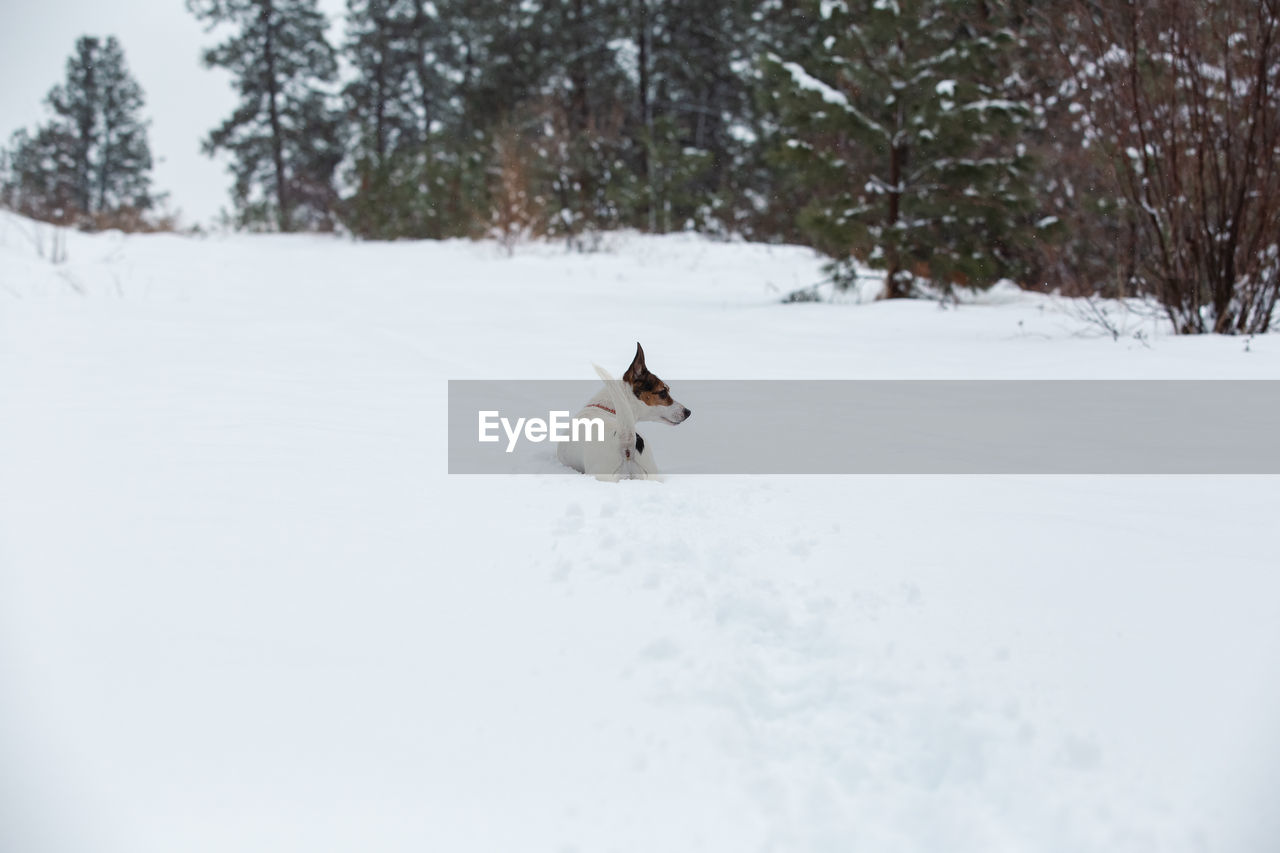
(654, 402)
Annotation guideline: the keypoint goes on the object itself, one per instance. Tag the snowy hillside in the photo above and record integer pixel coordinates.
(244, 608)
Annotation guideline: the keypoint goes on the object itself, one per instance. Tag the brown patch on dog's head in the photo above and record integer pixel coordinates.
(651, 390)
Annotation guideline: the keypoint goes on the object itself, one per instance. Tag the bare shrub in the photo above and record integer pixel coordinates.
(516, 213)
(1185, 98)
(130, 220)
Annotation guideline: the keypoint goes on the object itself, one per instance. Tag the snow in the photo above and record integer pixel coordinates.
(809, 83)
(627, 56)
(994, 104)
(742, 133)
(827, 8)
(244, 608)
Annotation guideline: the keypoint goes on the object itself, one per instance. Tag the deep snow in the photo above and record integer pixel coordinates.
(244, 608)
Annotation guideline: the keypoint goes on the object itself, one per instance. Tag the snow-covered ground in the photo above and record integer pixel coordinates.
(244, 608)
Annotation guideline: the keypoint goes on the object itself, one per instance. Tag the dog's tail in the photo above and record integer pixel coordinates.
(622, 412)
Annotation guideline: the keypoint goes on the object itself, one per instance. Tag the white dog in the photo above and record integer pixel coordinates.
(623, 454)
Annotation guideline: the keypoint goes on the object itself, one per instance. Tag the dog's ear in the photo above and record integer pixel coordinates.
(637, 368)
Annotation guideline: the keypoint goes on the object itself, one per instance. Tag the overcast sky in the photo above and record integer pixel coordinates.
(162, 44)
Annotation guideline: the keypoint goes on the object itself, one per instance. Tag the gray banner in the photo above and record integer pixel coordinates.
(900, 427)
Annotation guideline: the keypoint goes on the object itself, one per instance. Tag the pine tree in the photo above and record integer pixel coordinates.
(695, 100)
(284, 136)
(900, 124)
(39, 175)
(92, 158)
(402, 116)
(122, 170)
(76, 104)
(584, 114)
(375, 98)
(590, 152)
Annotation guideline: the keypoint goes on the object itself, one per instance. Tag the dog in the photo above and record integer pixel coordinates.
(623, 454)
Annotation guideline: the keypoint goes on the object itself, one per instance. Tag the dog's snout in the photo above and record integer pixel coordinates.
(687, 413)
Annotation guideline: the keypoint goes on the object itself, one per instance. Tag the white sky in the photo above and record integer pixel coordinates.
(162, 44)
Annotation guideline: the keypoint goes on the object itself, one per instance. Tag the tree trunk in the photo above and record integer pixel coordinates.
(646, 117)
(380, 89)
(104, 167)
(420, 35)
(283, 219)
(85, 123)
(893, 288)
(579, 111)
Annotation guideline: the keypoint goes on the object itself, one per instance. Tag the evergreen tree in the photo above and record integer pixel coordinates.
(409, 167)
(76, 104)
(122, 170)
(897, 118)
(376, 98)
(590, 152)
(369, 52)
(584, 114)
(92, 158)
(695, 106)
(39, 175)
(284, 136)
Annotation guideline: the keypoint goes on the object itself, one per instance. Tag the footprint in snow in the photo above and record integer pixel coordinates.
(1080, 753)
(662, 649)
(572, 520)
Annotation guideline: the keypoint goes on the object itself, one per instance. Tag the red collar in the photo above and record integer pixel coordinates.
(602, 406)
